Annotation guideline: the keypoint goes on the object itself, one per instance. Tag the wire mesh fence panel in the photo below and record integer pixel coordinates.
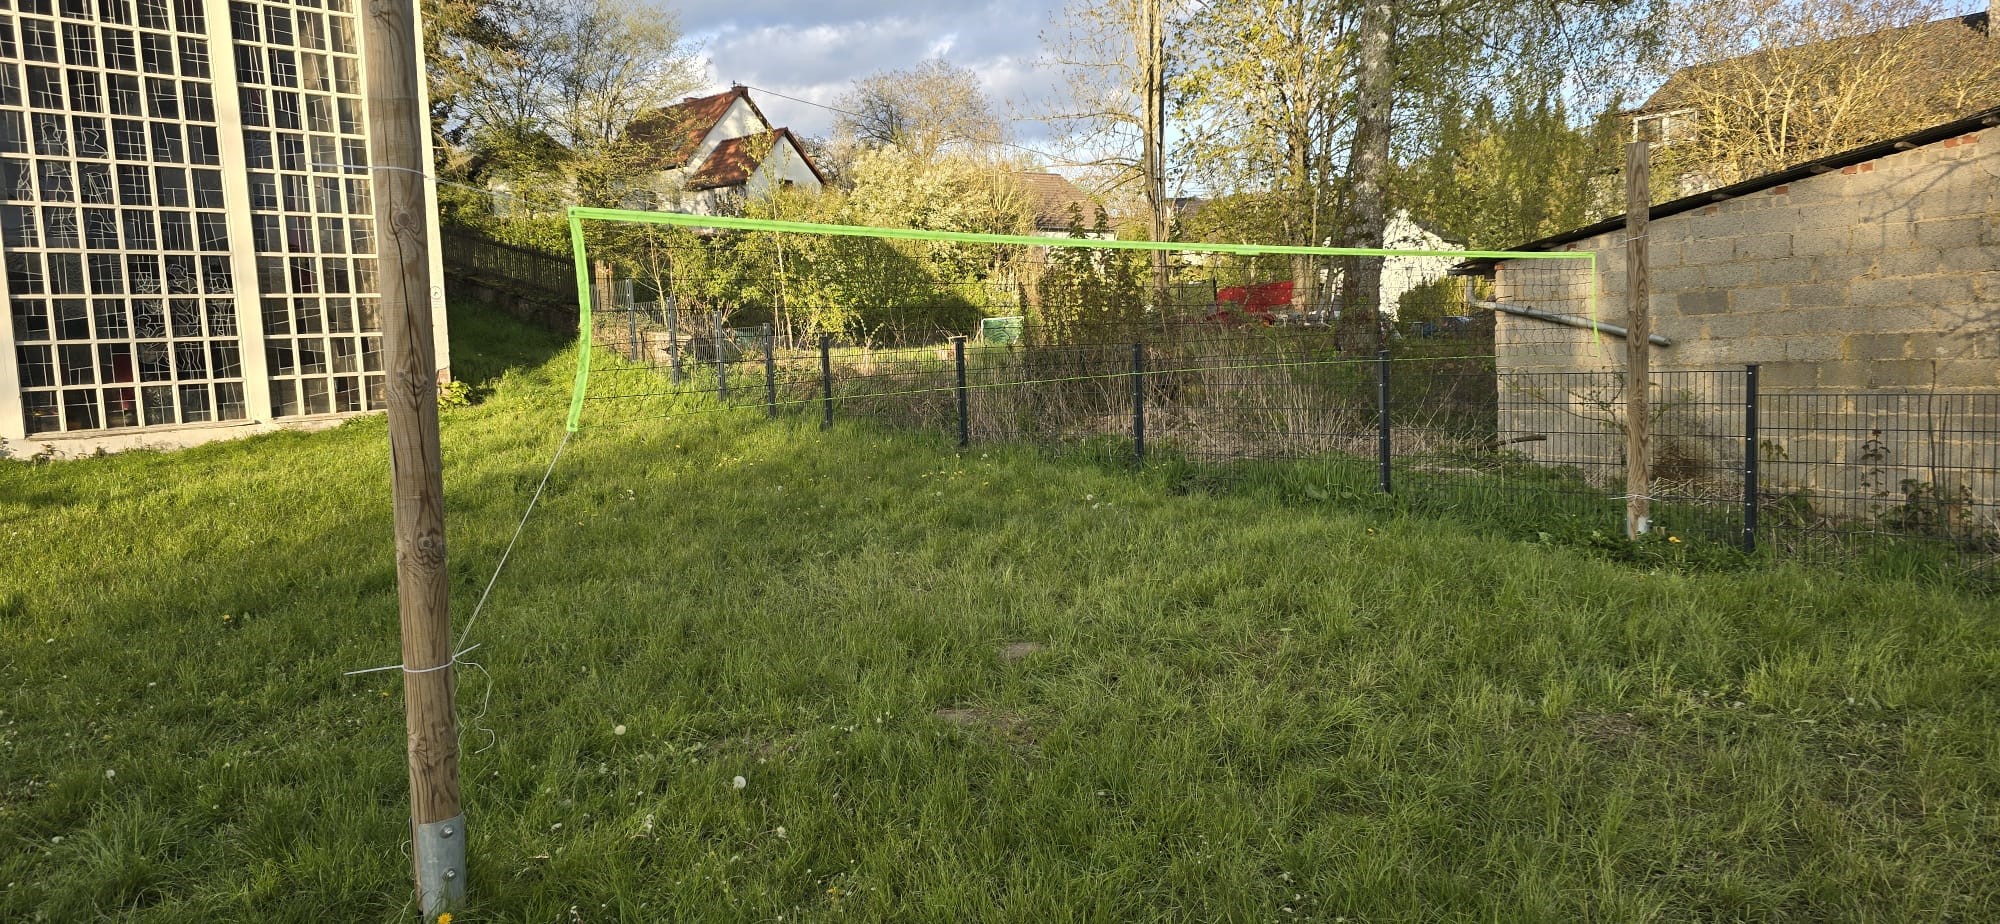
(1497, 400)
(1255, 392)
(1919, 467)
(1698, 453)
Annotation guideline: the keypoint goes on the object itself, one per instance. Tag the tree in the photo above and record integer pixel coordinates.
(1087, 297)
(1312, 104)
(1266, 107)
(923, 110)
(851, 285)
(458, 34)
(1117, 66)
(1759, 85)
(1511, 132)
(1368, 166)
(560, 95)
(1495, 178)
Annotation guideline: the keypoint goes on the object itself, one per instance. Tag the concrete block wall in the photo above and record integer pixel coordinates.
(1873, 288)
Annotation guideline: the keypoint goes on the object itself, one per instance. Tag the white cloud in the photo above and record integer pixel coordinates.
(815, 51)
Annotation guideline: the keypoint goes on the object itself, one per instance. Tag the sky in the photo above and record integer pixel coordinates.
(814, 50)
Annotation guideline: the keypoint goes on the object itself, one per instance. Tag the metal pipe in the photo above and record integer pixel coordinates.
(1750, 456)
(1382, 446)
(1567, 320)
(1139, 404)
(964, 409)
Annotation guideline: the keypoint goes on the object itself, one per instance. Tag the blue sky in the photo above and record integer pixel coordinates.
(814, 50)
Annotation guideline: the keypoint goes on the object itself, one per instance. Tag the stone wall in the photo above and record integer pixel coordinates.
(1877, 276)
(1869, 297)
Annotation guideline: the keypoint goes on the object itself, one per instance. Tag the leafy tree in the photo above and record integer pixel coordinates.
(457, 34)
(1498, 178)
(552, 104)
(1086, 296)
(1117, 59)
(1313, 103)
(851, 285)
(922, 110)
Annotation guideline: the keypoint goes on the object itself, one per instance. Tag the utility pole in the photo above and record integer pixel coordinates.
(1153, 72)
(397, 123)
(1638, 351)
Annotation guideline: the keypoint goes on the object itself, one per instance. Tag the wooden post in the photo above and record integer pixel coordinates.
(396, 125)
(1638, 331)
(600, 294)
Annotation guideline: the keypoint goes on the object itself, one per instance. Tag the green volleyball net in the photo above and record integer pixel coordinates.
(1237, 349)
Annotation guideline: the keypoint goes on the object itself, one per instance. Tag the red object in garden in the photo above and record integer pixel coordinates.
(1248, 302)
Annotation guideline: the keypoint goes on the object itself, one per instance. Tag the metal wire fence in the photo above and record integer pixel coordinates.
(1428, 419)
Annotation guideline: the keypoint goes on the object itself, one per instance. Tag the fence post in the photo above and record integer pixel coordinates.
(964, 421)
(771, 372)
(721, 362)
(826, 379)
(1750, 453)
(673, 334)
(601, 300)
(1638, 358)
(1139, 403)
(1382, 420)
(622, 293)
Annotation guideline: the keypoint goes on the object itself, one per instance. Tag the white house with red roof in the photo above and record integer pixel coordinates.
(715, 151)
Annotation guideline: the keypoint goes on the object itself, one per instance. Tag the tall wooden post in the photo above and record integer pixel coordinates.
(396, 125)
(1153, 73)
(1638, 349)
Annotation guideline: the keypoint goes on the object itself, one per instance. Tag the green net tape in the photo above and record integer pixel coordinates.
(579, 215)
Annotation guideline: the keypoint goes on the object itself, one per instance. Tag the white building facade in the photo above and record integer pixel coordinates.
(187, 222)
(715, 152)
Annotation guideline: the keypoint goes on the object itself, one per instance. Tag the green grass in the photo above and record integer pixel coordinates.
(1246, 705)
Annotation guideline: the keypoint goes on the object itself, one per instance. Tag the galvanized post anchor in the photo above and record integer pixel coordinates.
(439, 848)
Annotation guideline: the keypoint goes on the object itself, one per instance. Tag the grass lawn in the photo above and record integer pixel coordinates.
(988, 687)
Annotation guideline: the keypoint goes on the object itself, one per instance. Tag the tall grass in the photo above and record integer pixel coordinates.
(996, 686)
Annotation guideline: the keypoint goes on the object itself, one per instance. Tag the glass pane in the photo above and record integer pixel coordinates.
(314, 396)
(121, 407)
(194, 403)
(80, 409)
(38, 410)
(229, 403)
(284, 399)
(159, 401)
